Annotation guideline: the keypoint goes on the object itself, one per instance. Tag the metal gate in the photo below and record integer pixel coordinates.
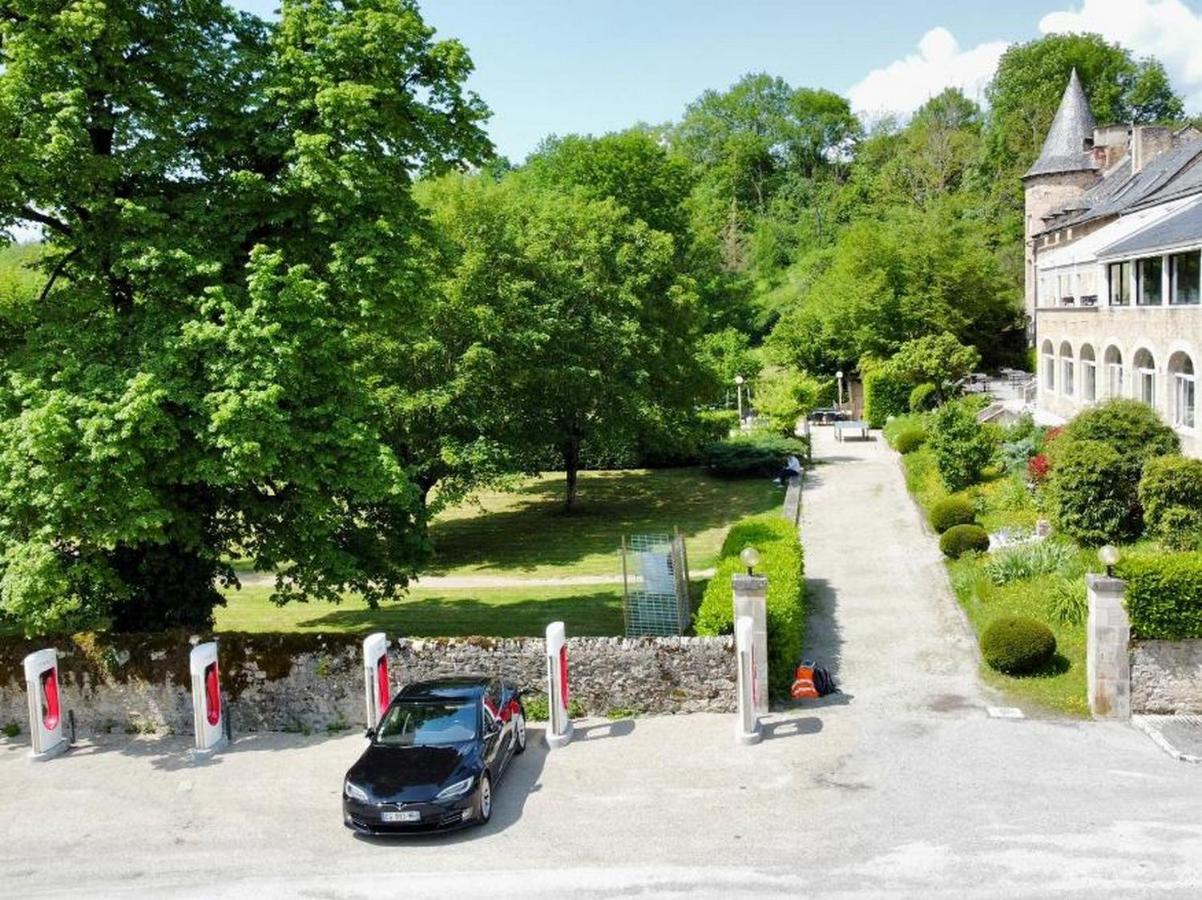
(655, 584)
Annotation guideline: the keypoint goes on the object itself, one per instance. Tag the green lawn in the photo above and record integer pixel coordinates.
(525, 532)
(1003, 501)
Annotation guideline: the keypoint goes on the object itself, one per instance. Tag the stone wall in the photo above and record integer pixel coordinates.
(1166, 677)
(312, 682)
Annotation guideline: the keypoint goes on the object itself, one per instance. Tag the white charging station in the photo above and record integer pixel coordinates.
(208, 711)
(559, 725)
(377, 688)
(46, 713)
(747, 726)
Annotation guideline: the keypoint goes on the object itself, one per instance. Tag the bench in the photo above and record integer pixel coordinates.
(853, 426)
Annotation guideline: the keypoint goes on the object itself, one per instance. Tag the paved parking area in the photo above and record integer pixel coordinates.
(903, 784)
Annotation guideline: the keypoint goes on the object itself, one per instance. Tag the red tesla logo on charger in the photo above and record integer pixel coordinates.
(382, 681)
(563, 673)
(212, 694)
(50, 711)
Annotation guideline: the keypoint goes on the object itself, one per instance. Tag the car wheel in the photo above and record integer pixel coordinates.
(484, 800)
(519, 731)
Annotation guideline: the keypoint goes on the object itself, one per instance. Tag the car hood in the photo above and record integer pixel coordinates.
(411, 773)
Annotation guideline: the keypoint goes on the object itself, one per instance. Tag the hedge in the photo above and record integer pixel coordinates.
(781, 562)
(909, 440)
(1017, 646)
(1171, 495)
(753, 455)
(961, 539)
(885, 395)
(1092, 499)
(1164, 595)
(952, 511)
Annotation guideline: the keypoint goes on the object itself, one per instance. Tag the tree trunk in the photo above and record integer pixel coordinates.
(571, 466)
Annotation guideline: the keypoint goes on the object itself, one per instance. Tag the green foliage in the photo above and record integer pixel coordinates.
(1170, 493)
(961, 539)
(537, 709)
(952, 511)
(962, 445)
(1067, 602)
(235, 258)
(616, 713)
(1017, 646)
(11, 730)
(924, 398)
(1028, 561)
(781, 562)
(784, 396)
(1164, 595)
(1090, 494)
(934, 359)
(909, 440)
(1129, 426)
(885, 394)
(753, 455)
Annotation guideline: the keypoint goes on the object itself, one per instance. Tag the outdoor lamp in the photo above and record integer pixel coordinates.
(738, 379)
(1109, 555)
(751, 559)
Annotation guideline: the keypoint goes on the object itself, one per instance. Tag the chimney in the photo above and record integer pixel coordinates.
(1147, 143)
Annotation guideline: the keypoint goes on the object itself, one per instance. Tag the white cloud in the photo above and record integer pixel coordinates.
(905, 84)
(1166, 29)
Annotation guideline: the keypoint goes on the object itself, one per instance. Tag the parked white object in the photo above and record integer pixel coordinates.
(747, 726)
(559, 725)
(46, 713)
(208, 710)
(377, 688)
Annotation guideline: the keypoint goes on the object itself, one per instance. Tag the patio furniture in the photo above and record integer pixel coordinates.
(852, 425)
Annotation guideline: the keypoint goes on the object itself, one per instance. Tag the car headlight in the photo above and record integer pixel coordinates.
(355, 792)
(455, 790)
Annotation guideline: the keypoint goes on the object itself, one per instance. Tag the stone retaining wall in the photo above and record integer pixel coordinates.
(1166, 677)
(312, 682)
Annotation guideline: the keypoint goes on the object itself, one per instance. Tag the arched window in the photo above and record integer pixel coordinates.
(1089, 375)
(1114, 372)
(1066, 369)
(1145, 377)
(1049, 367)
(1184, 393)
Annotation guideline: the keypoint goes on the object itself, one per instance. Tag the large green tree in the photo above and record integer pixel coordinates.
(230, 248)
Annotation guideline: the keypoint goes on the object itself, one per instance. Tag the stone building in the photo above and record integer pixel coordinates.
(1113, 265)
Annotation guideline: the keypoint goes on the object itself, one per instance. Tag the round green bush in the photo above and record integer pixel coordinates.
(923, 397)
(1017, 646)
(960, 539)
(952, 511)
(909, 440)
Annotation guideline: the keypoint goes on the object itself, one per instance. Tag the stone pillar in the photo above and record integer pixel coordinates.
(750, 599)
(1108, 662)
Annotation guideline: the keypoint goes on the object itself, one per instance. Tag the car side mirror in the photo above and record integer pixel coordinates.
(370, 734)
(523, 692)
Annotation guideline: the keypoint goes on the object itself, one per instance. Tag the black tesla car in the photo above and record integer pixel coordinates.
(436, 757)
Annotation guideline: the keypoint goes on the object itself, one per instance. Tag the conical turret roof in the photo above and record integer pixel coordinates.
(1064, 148)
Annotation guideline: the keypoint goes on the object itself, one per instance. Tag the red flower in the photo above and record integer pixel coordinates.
(1037, 468)
(1051, 434)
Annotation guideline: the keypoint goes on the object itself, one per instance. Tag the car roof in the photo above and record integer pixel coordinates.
(462, 686)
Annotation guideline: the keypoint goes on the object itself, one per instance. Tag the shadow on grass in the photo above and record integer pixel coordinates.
(536, 531)
(1057, 665)
(589, 614)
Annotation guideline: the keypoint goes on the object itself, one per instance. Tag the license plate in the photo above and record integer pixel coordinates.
(406, 815)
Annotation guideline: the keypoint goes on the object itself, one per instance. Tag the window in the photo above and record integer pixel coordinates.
(1147, 275)
(1064, 292)
(1049, 367)
(1066, 369)
(1119, 276)
(1184, 271)
(428, 722)
(1089, 375)
(1145, 377)
(1114, 372)
(1185, 396)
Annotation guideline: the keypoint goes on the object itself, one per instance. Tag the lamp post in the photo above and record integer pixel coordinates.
(751, 558)
(739, 395)
(1109, 555)
(839, 379)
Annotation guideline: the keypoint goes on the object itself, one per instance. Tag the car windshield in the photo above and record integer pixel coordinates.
(422, 723)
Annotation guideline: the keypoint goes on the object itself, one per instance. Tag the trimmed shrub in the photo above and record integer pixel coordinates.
(781, 562)
(963, 447)
(909, 440)
(1038, 468)
(1164, 595)
(924, 397)
(952, 511)
(961, 539)
(1129, 426)
(1091, 496)
(753, 455)
(1017, 646)
(1170, 492)
(1029, 560)
(885, 395)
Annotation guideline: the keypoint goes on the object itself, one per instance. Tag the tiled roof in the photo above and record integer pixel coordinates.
(1064, 148)
(1180, 228)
